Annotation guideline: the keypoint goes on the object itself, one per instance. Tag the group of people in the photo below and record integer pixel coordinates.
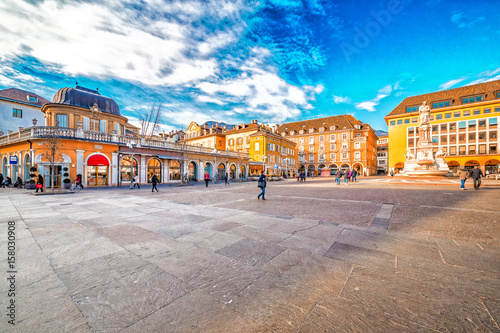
(348, 175)
(301, 176)
(207, 178)
(475, 174)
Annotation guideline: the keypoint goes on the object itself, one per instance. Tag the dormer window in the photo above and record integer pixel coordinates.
(283, 133)
(311, 130)
(333, 128)
(292, 133)
(441, 104)
(472, 99)
(412, 108)
(301, 132)
(32, 98)
(321, 129)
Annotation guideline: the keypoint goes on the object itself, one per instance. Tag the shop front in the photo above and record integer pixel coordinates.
(97, 170)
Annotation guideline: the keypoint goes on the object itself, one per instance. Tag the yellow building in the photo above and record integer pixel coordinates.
(265, 148)
(464, 124)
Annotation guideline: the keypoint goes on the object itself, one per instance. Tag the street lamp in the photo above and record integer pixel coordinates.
(130, 146)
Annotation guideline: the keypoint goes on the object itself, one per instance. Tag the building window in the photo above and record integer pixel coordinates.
(32, 98)
(311, 139)
(400, 121)
(62, 120)
(472, 99)
(17, 113)
(344, 145)
(393, 122)
(102, 126)
(257, 148)
(239, 141)
(311, 130)
(301, 140)
(440, 104)
(311, 148)
(493, 122)
(332, 128)
(86, 123)
(311, 157)
(457, 114)
(453, 126)
(472, 124)
(414, 120)
(467, 113)
(447, 115)
(357, 145)
(434, 139)
(321, 138)
(444, 127)
(462, 124)
(332, 146)
(231, 142)
(439, 116)
(344, 156)
(477, 111)
(344, 136)
(487, 110)
(117, 128)
(407, 121)
(412, 109)
(332, 157)
(332, 137)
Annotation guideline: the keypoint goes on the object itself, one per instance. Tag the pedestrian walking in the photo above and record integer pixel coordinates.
(354, 174)
(476, 175)
(346, 177)
(39, 183)
(154, 181)
(1, 181)
(136, 182)
(262, 184)
(338, 175)
(186, 178)
(462, 174)
(226, 176)
(207, 179)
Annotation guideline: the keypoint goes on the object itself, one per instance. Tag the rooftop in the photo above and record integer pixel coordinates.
(23, 96)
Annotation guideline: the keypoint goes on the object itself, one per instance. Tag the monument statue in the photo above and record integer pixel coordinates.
(421, 161)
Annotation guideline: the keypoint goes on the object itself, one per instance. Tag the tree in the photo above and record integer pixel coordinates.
(53, 155)
(149, 122)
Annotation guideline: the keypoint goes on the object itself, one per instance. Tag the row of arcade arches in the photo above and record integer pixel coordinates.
(491, 166)
(331, 169)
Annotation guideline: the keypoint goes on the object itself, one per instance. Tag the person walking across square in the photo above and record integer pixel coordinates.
(39, 183)
(262, 184)
(226, 176)
(354, 174)
(154, 181)
(462, 174)
(207, 179)
(346, 177)
(476, 175)
(338, 175)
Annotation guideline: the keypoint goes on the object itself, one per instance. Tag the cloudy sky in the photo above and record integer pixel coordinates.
(232, 61)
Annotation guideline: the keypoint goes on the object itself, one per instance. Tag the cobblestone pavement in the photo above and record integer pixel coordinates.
(314, 257)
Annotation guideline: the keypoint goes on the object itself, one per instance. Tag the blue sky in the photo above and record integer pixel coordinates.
(233, 61)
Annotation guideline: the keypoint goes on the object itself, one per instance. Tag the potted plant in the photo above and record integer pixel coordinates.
(31, 183)
(66, 180)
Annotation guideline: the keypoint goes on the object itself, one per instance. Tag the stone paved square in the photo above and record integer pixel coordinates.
(374, 256)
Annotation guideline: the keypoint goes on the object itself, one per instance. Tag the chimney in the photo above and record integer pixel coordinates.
(217, 124)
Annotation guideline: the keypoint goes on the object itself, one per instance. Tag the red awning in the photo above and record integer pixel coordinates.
(97, 160)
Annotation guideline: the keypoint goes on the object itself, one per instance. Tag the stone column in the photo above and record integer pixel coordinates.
(80, 165)
(142, 170)
(115, 168)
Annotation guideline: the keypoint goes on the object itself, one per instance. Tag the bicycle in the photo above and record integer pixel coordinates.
(75, 188)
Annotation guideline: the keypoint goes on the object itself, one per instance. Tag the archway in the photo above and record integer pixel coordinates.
(126, 169)
(175, 170)
(333, 169)
(345, 167)
(232, 171)
(154, 168)
(399, 167)
(208, 168)
(243, 172)
(359, 168)
(193, 171)
(221, 170)
(492, 166)
(311, 170)
(26, 167)
(471, 164)
(453, 166)
(323, 171)
(5, 167)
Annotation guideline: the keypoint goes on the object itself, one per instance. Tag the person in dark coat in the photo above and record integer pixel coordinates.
(154, 181)
(79, 181)
(476, 175)
(338, 175)
(39, 183)
(262, 184)
(207, 179)
(226, 176)
(1, 181)
(354, 174)
(18, 183)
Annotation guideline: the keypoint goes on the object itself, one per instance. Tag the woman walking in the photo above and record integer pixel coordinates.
(154, 181)
(39, 183)
(262, 184)
(207, 179)
(347, 173)
(462, 174)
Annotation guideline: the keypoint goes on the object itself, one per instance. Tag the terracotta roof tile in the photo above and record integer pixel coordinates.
(489, 89)
(341, 121)
(21, 96)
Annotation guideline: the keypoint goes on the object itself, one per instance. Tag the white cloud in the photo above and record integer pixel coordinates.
(97, 39)
(368, 105)
(382, 93)
(208, 99)
(340, 99)
(451, 83)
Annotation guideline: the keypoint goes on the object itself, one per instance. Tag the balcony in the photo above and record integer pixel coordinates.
(41, 132)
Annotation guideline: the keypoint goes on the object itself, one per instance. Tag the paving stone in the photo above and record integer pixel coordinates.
(470, 255)
(361, 256)
(304, 243)
(251, 252)
(434, 305)
(196, 312)
(223, 278)
(327, 233)
(493, 307)
(334, 314)
(265, 235)
(177, 230)
(44, 306)
(328, 275)
(127, 234)
(278, 302)
(221, 226)
(293, 226)
(210, 240)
